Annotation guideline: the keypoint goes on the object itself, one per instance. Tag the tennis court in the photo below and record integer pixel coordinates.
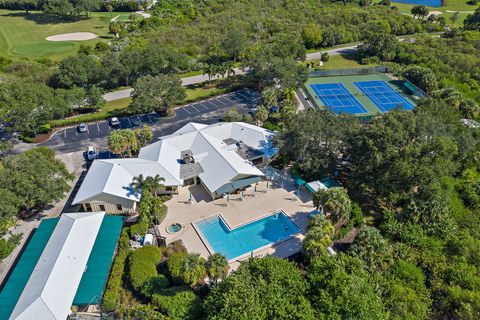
(363, 95)
(337, 98)
(383, 96)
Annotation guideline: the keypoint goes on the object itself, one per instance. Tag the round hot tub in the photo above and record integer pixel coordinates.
(174, 228)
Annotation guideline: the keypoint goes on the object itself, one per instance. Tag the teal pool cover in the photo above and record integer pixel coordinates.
(93, 281)
(20, 275)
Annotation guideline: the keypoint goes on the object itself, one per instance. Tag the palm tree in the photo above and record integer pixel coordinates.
(270, 96)
(335, 203)
(193, 269)
(117, 143)
(318, 237)
(261, 115)
(217, 267)
(153, 184)
(138, 183)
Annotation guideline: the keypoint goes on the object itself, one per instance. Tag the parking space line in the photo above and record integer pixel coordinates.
(65, 133)
(185, 109)
(139, 120)
(194, 108)
(88, 130)
(229, 99)
(149, 119)
(129, 122)
(244, 96)
(202, 105)
(98, 127)
(76, 132)
(213, 104)
(218, 99)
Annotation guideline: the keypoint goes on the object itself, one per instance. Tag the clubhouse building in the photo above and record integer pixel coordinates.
(222, 157)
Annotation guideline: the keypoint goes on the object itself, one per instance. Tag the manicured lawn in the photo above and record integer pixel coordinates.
(23, 36)
(339, 62)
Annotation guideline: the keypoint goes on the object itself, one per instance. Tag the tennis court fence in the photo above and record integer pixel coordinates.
(348, 72)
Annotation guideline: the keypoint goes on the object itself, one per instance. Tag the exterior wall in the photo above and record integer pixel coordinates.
(128, 207)
(163, 190)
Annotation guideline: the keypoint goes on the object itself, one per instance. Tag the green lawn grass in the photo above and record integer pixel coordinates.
(340, 62)
(120, 107)
(23, 36)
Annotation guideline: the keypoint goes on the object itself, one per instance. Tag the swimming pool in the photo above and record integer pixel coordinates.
(431, 3)
(247, 238)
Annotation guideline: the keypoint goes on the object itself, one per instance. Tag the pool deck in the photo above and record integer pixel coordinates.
(280, 196)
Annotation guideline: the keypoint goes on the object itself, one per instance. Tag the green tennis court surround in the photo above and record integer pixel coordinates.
(354, 94)
(94, 276)
(19, 277)
(93, 281)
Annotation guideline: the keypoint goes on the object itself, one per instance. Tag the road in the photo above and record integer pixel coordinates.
(68, 140)
(125, 93)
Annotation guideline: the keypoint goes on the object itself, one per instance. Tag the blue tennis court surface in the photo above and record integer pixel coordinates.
(337, 98)
(383, 96)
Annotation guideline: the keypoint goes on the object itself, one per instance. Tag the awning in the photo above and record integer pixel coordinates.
(235, 185)
(298, 181)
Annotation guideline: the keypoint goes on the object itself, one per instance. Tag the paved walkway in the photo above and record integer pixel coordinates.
(265, 201)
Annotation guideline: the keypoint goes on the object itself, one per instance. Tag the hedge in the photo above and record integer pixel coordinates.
(142, 266)
(119, 113)
(110, 297)
(178, 303)
(174, 264)
(154, 285)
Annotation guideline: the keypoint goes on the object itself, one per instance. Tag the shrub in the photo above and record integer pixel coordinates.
(7, 246)
(142, 266)
(140, 227)
(356, 215)
(110, 297)
(154, 285)
(174, 264)
(178, 303)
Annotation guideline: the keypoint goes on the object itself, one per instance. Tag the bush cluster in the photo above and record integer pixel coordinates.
(142, 266)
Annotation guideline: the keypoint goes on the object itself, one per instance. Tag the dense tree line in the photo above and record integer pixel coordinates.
(70, 8)
(417, 174)
(28, 182)
(443, 67)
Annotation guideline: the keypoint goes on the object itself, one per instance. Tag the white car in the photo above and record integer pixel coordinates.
(114, 122)
(91, 153)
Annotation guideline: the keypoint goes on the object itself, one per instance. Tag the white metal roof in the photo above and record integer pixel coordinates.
(52, 286)
(220, 163)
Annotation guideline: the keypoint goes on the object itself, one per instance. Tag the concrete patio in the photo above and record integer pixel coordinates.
(269, 197)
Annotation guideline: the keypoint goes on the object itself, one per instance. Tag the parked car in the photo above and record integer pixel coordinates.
(274, 109)
(114, 122)
(82, 127)
(91, 153)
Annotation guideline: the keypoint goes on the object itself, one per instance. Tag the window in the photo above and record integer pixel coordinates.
(102, 207)
(88, 207)
(168, 188)
(189, 182)
(119, 207)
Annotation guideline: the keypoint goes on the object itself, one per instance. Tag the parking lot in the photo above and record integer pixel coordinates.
(206, 111)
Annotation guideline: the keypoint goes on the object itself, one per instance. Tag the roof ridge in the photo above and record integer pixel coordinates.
(218, 151)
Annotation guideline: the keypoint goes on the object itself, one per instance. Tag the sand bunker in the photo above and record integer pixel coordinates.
(436, 13)
(75, 36)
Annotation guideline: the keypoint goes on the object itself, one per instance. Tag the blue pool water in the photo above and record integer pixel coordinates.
(247, 238)
(430, 3)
